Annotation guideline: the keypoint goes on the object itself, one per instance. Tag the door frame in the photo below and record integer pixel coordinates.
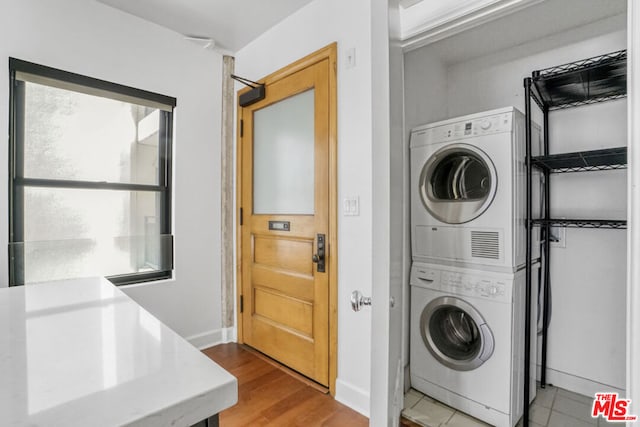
(327, 53)
(389, 213)
(633, 209)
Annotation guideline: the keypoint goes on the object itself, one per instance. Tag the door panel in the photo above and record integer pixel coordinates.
(286, 254)
(285, 176)
(281, 309)
(285, 283)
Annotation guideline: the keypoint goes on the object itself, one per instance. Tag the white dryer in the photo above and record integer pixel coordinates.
(468, 195)
(467, 347)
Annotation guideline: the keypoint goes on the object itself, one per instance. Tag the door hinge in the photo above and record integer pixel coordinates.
(241, 128)
(241, 216)
(241, 303)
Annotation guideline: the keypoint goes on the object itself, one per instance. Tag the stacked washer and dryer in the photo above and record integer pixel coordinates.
(467, 280)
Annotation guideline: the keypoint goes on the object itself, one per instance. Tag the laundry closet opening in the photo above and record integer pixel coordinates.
(464, 104)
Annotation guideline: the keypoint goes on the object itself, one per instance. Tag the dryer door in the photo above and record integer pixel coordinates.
(456, 334)
(458, 183)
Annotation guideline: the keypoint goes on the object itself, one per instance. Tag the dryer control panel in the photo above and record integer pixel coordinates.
(462, 129)
(484, 126)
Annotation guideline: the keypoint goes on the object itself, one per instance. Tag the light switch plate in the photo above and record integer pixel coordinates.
(350, 57)
(351, 206)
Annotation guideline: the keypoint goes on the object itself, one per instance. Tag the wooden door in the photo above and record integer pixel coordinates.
(286, 243)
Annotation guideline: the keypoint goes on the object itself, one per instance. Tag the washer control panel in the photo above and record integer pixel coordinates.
(463, 284)
(458, 283)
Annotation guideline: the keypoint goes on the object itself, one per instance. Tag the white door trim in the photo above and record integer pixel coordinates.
(388, 211)
(633, 189)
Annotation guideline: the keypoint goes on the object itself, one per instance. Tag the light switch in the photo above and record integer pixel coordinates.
(351, 206)
(351, 57)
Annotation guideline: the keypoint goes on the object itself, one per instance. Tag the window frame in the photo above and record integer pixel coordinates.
(18, 182)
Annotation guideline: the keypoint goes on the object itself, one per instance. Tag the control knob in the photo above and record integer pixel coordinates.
(485, 124)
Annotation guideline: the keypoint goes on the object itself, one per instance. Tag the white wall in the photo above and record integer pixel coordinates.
(425, 101)
(425, 91)
(586, 337)
(311, 28)
(89, 38)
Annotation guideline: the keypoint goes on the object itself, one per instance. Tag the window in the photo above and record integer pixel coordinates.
(90, 178)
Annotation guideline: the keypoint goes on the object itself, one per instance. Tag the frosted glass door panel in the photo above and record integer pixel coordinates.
(283, 157)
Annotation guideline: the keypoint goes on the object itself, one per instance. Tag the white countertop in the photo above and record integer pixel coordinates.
(82, 353)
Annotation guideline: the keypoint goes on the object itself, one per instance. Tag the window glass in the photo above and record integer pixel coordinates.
(75, 136)
(283, 157)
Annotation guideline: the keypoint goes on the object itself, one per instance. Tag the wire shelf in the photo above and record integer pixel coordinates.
(581, 161)
(581, 223)
(591, 80)
(583, 64)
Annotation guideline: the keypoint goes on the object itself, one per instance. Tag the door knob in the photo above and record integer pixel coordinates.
(358, 300)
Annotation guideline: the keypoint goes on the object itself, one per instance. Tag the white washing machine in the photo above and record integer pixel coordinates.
(468, 190)
(467, 347)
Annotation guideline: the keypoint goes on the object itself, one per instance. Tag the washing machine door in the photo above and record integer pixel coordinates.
(458, 183)
(456, 334)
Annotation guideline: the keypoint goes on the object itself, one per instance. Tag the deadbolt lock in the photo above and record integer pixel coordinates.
(319, 258)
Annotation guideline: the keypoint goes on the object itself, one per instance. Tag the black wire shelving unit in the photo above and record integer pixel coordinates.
(589, 81)
(583, 161)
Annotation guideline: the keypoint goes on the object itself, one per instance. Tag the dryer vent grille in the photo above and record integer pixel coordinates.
(485, 244)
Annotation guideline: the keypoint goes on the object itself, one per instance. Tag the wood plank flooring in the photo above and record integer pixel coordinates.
(268, 396)
(408, 423)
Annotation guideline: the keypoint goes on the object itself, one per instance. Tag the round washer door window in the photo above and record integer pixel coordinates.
(458, 183)
(456, 334)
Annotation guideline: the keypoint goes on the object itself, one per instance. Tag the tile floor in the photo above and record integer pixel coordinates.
(552, 407)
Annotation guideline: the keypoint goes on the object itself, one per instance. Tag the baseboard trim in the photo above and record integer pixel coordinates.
(578, 384)
(354, 397)
(212, 338)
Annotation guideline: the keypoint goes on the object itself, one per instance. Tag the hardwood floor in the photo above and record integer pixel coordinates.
(408, 423)
(268, 396)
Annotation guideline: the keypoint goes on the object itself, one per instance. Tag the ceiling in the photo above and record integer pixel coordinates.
(232, 24)
(537, 22)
